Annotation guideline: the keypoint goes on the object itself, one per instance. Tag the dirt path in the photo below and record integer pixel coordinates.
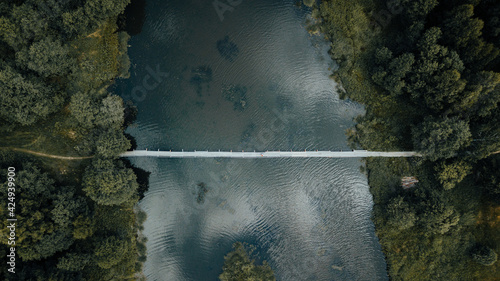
(50, 155)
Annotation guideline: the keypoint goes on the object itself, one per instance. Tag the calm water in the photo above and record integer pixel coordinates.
(255, 80)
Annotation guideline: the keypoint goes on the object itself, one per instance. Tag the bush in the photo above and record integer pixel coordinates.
(484, 255)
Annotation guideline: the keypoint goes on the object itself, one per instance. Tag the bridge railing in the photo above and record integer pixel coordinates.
(268, 154)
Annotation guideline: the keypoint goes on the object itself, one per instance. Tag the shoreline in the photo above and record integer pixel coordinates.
(450, 198)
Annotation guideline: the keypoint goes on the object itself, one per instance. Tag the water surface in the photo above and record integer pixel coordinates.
(254, 81)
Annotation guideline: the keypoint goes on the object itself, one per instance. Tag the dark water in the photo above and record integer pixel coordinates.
(255, 80)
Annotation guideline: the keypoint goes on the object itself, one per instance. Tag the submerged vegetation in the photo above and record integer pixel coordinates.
(62, 132)
(237, 95)
(428, 73)
(202, 191)
(200, 77)
(227, 49)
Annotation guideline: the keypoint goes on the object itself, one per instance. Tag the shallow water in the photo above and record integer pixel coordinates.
(254, 81)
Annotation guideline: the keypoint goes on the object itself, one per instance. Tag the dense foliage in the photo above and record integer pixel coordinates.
(77, 220)
(428, 73)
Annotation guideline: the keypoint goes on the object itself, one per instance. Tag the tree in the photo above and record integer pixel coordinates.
(89, 112)
(391, 74)
(76, 22)
(111, 143)
(346, 23)
(238, 266)
(399, 214)
(83, 227)
(74, 261)
(26, 99)
(438, 217)
(350, 19)
(490, 178)
(66, 207)
(84, 107)
(418, 9)
(483, 95)
(100, 10)
(441, 138)
(436, 78)
(47, 246)
(91, 14)
(453, 173)
(110, 251)
(39, 236)
(463, 34)
(484, 255)
(108, 182)
(111, 112)
(489, 11)
(24, 26)
(8, 30)
(47, 57)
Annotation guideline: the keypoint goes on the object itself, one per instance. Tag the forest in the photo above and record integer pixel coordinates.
(76, 217)
(428, 74)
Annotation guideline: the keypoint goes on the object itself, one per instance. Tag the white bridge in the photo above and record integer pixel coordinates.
(268, 154)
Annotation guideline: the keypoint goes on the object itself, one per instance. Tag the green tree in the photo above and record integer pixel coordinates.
(76, 22)
(83, 227)
(489, 11)
(450, 174)
(487, 131)
(100, 10)
(391, 76)
(490, 178)
(484, 255)
(111, 143)
(66, 206)
(436, 78)
(47, 57)
(441, 138)
(84, 107)
(400, 216)
(26, 99)
(463, 33)
(39, 235)
(74, 261)
(110, 251)
(484, 94)
(91, 15)
(24, 26)
(8, 30)
(58, 240)
(91, 111)
(238, 266)
(111, 112)
(108, 182)
(346, 23)
(418, 9)
(46, 52)
(438, 217)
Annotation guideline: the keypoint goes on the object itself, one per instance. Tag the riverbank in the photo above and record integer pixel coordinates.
(76, 201)
(422, 92)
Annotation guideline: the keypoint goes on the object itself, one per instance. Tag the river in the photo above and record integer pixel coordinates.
(250, 78)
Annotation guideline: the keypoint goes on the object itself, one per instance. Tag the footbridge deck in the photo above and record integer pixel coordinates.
(268, 154)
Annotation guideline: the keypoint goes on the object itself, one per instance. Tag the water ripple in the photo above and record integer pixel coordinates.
(309, 218)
